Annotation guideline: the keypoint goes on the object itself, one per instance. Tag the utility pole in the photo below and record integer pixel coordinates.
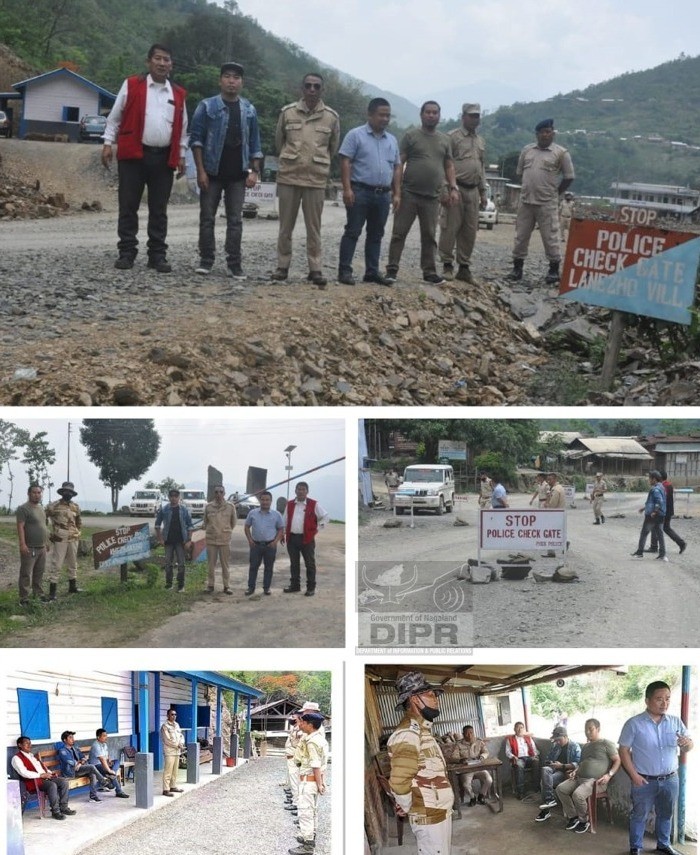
(68, 466)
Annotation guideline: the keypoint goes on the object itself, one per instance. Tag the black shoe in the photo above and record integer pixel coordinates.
(66, 811)
(24, 604)
(542, 815)
(635, 851)
(204, 267)
(652, 549)
(124, 262)
(661, 558)
(169, 794)
(434, 279)
(235, 271)
(309, 593)
(346, 279)
(280, 275)
(95, 798)
(181, 589)
(682, 548)
(160, 265)
(669, 850)
(290, 807)
(392, 274)
(472, 801)
(602, 519)
(516, 273)
(250, 592)
(378, 279)
(73, 587)
(228, 591)
(122, 795)
(572, 823)
(176, 790)
(168, 586)
(552, 276)
(582, 826)
(637, 554)
(597, 522)
(480, 800)
(464, 274)
(291, 590)
(57, 815)
(448, 272)
(317, 278)
(267, 593)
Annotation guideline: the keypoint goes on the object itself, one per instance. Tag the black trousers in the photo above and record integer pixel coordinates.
(297, 551)
(153, 172)
(667, 530)
(56, 790)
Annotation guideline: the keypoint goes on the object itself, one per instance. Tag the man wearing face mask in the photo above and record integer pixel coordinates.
(418, 777)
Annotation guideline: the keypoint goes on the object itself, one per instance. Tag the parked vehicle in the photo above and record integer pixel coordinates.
(427, 487)
(194, 500)
(145, 503)
(5, 125)
(92, 128)
(489, 216)
(243, 506)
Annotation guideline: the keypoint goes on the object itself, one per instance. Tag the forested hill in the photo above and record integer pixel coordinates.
(641, 126)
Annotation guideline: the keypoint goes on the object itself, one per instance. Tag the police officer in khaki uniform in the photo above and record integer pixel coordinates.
(546, 171)
(460, 223)
(219, 522)
(418, 777)
(597, 494)
(66, 523)
(485, 490)
(472, 748)
(306, 139)
(291, 784)
(557, 497)
(312, 758)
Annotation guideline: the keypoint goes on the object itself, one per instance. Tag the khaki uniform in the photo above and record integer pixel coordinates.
(219, 522)
(420, 785)
(543, 492)
(541, 171)
(566, 212)
(311, 753)
(485, 491)
(599, 488)
(290, 746)
(306, 141)
(557, 498)
(473, 751)
(66, 523)
(460, 223)
(173, 741)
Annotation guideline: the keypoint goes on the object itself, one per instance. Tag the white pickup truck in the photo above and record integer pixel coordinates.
(145, 503)
(194, 500)
(426, 487)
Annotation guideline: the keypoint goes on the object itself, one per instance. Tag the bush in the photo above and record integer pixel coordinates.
(496, 465)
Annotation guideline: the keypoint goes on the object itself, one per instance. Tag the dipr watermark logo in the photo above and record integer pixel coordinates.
(418, 606)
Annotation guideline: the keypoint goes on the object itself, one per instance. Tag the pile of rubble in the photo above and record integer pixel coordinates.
(19, 200)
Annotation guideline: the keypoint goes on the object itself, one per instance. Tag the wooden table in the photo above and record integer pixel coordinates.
(492, 765)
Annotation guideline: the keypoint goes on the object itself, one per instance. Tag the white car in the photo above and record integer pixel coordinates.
(194, 500)
(426, 487)
(489, 216)
(145, 503)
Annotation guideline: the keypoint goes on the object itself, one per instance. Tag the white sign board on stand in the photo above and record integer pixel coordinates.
(522, 530)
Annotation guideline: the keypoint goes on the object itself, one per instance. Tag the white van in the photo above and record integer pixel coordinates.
(427, 487)
(145, 503)
(194, 500)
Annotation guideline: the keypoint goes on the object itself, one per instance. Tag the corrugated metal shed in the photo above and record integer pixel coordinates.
(614, 446)
(680, 447)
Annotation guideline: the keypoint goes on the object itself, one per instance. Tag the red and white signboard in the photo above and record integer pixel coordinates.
(522, 530)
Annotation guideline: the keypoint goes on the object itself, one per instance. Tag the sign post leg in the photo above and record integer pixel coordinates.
(612, 351)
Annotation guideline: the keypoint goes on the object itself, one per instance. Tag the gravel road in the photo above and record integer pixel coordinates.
(241, 813)
(618, 601)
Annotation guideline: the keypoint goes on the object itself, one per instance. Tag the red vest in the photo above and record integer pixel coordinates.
(514, 745)
(130, 135)
(310, 521)
(30, 783)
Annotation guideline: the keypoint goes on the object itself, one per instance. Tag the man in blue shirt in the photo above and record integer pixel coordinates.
(264, 529)
(74, 765)
(225, 142)
(176, 524)
(649, 746)
(370, 169)
(563, 758)
(99, 757)
(498, 496)
(654, 511)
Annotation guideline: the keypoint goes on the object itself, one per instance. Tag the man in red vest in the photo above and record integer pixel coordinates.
(522, 753)
(303, 519)
(149, 124)
(37, 777)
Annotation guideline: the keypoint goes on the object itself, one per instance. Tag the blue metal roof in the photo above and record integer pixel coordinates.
(24, 83)
(214, 678)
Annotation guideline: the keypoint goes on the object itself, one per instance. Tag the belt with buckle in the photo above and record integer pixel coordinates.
(372, 187)
(657, 777)
(263, 542)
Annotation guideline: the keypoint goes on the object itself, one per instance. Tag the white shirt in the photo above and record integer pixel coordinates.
(160, 112)
(297, 526)
(22, 770)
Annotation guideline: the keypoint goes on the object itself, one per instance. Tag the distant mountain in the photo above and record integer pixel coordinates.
(491, 94)
(403, 111)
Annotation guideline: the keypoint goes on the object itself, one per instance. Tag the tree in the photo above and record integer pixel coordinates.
(123, 449)
(38, 456)
(10, 440)
(165, 486)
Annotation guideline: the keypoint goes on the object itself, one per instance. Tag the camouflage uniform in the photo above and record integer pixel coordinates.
(66, 523)
(306, 141)
(420, 785)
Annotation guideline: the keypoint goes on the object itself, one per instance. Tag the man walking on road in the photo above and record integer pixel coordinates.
(225, 142)
(33, 537)
(219, 522)
(149, 124)
(654, 511)
(304, 518)
(546, 171)
(427, 156)
(459, 223)
(307, 137)
(370, 169)
(670, 510)
(649, 746)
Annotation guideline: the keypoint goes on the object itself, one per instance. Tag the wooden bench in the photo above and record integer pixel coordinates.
(49, 757)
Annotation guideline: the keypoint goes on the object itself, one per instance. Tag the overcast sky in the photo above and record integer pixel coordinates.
(189, 445)
(536, 48)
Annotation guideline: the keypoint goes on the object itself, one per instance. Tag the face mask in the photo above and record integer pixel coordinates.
(429, 713)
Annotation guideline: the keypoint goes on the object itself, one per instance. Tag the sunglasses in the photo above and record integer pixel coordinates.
(316, 86)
